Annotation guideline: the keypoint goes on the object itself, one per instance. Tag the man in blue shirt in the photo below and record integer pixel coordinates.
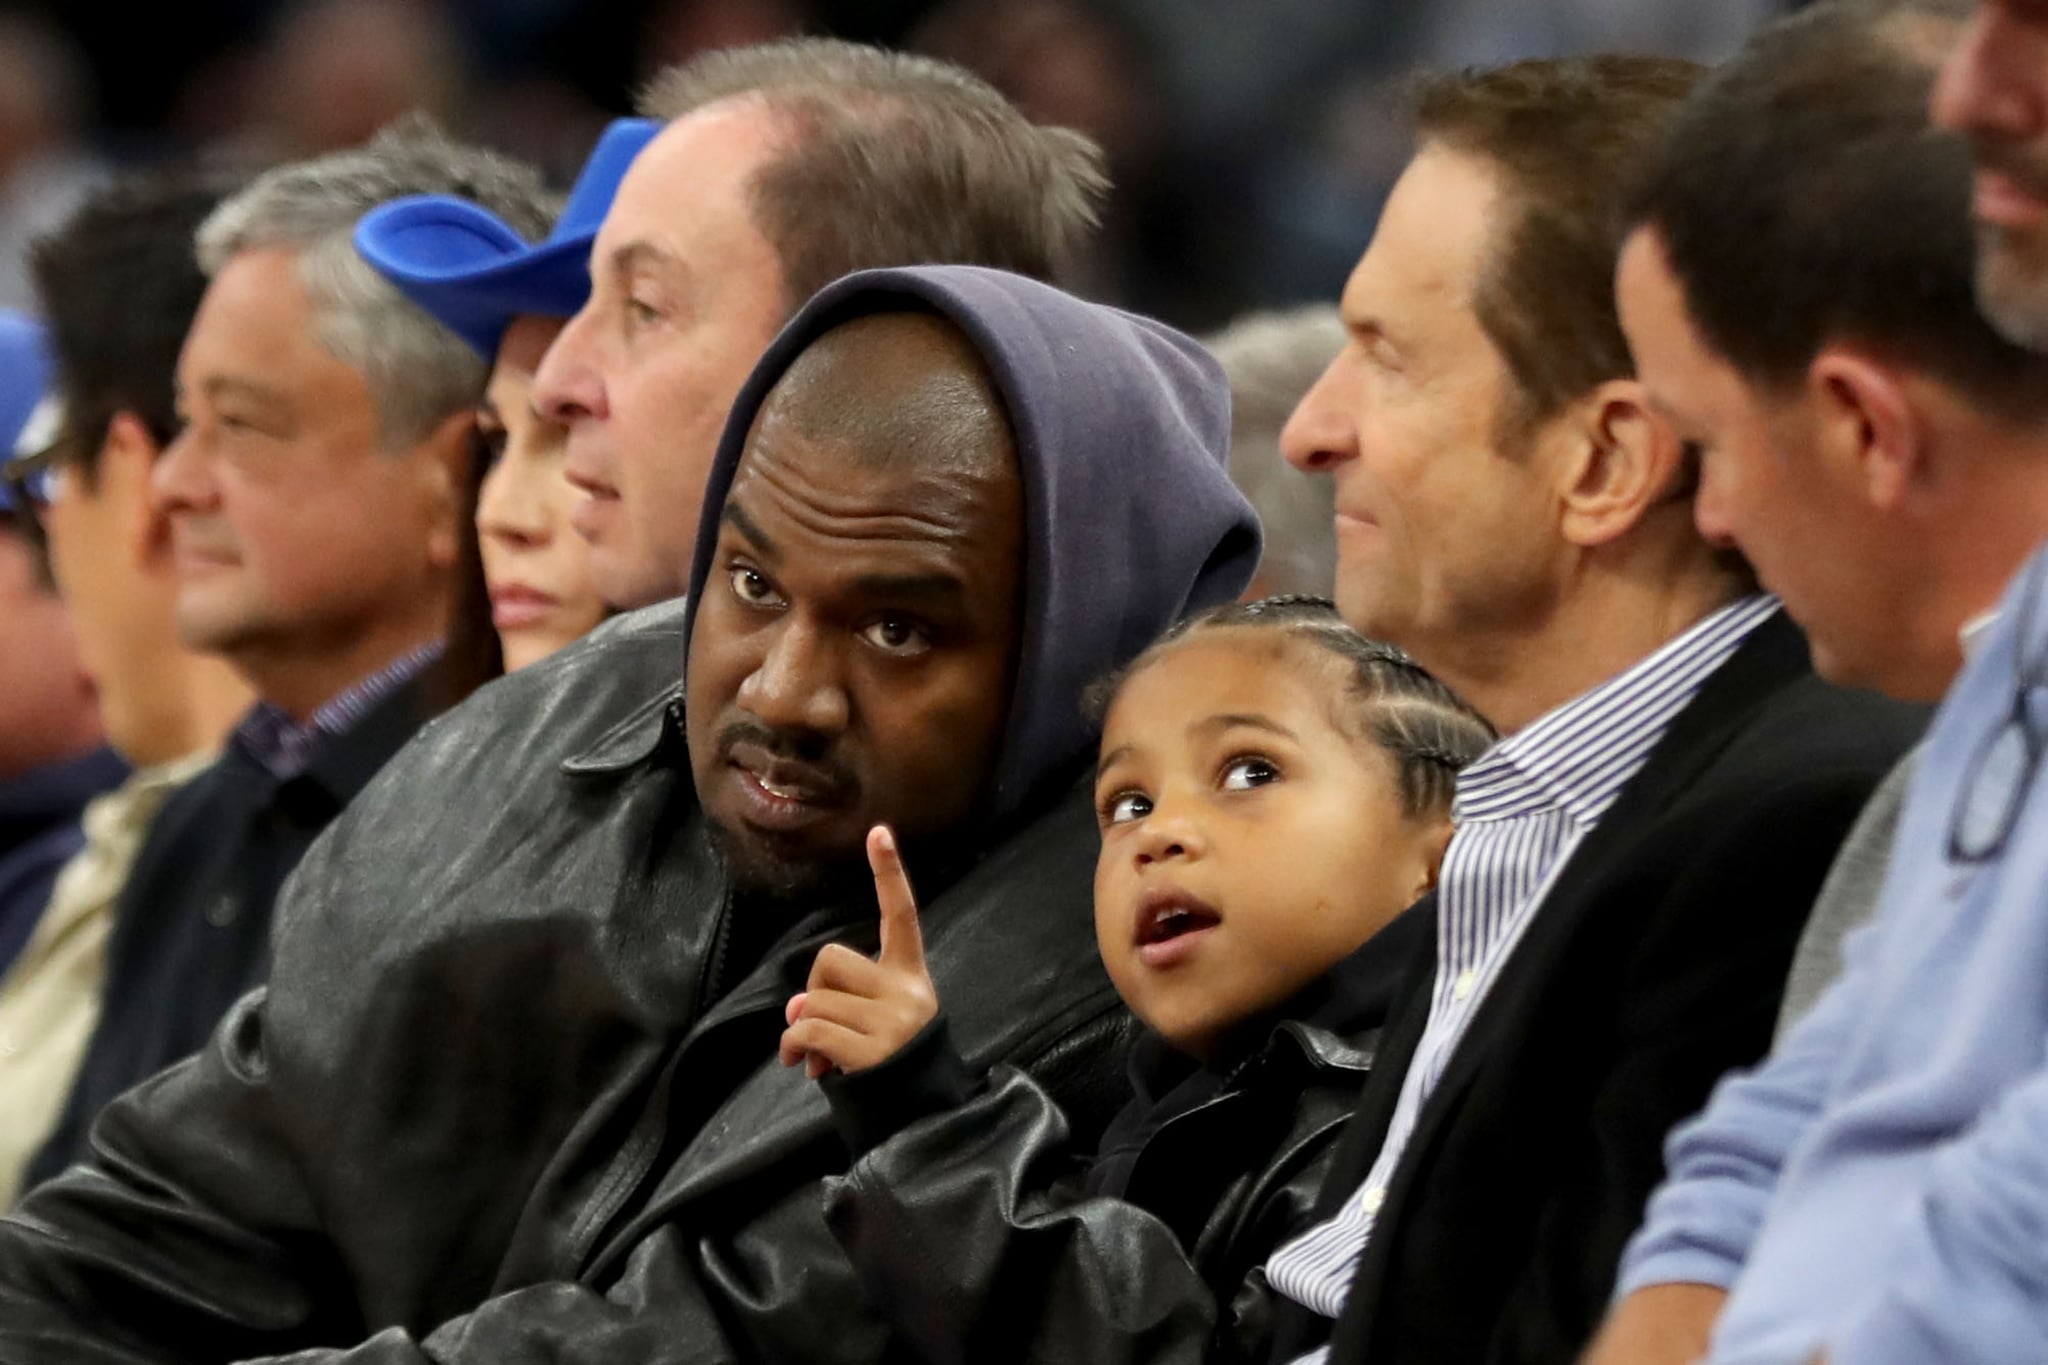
(1876, 449)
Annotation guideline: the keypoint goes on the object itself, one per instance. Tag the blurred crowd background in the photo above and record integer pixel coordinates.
(1249, 139)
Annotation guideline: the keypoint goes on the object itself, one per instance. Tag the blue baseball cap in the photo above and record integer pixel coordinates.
(26, 373)
(473, 273)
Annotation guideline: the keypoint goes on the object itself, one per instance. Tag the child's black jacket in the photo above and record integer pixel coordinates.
(982, 1236)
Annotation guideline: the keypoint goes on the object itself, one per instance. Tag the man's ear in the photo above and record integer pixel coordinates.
(1620, 460)
(442, 461)
(1865, 431)
(121, 479)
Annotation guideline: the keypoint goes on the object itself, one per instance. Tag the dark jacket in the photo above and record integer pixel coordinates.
(512, 1092)
(39, 832)
(1654, 965)
(192, 924)
(973, 1233)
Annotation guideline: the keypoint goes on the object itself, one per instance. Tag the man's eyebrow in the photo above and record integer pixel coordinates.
(1242, 720)
(645, 255)
(227, 386)
(736, 517)
(933, 589)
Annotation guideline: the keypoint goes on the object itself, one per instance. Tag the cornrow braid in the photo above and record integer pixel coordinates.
(1429, 730)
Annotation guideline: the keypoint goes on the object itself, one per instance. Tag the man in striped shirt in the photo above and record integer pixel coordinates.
(1634, 860)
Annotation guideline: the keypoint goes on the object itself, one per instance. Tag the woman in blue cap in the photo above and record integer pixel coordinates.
(508, 298)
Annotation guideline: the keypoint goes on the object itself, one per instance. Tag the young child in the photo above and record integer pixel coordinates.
(1274, 790)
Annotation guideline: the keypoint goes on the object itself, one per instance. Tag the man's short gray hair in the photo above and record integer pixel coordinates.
(418, 371)
(1272, 360)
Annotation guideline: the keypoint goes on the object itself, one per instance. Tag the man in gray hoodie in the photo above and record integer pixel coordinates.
(512, 1093)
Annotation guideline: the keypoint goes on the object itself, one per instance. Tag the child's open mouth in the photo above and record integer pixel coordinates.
(1169, 924)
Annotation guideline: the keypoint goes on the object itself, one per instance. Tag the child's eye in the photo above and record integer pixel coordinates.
(1125, 807)
(1242, 774)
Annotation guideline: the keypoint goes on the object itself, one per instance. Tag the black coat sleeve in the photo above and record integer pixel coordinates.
(969, 1233)
(188, 1224)
(192, 1241)
(773, 1285)
(925, 1076)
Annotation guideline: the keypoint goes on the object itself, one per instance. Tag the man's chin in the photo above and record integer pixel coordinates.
(623, 582)
(2012, 284)
(1363, 607)
(763, 866)
(213, 626)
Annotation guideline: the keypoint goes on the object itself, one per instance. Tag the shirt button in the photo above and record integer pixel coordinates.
(1374, 1197)
(1462, 987)
(221, 913)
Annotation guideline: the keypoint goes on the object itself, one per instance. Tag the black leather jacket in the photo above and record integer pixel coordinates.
(973, 1231)
(512, 1093)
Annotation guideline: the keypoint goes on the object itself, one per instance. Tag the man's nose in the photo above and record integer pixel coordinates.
(1321, 434)
(798, 684)
(180, 479)
(1989, 86)
(566, 386)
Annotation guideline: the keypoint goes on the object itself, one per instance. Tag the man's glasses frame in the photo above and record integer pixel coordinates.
(29, 479)
(2001, 772)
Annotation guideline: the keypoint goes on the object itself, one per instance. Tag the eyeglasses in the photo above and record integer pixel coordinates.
(30, 482)
(2002, 771)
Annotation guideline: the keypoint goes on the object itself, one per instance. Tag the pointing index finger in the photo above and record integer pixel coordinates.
(902, 943)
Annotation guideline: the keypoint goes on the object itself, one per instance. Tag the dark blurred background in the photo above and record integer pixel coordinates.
(1250, 139)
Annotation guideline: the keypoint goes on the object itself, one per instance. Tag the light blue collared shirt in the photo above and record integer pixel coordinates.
(1878, 1188)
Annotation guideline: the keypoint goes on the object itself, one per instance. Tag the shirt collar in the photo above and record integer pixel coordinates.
(1975, 630)
(285, 746)
(1579, 756)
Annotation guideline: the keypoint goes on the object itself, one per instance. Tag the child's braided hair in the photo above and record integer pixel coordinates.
(1428, 729)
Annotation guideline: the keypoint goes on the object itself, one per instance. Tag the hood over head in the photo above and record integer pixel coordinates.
(1122, 432)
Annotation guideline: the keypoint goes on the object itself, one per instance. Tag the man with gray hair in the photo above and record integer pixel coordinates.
(314, 504)
(782, 167)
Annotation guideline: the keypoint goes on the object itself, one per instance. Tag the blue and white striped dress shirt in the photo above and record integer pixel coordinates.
(1521, 808)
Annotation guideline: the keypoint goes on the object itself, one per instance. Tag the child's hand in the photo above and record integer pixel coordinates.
(856, 1012)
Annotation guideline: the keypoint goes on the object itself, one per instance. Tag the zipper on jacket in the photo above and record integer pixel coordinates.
(711, 977)
(642, 1150)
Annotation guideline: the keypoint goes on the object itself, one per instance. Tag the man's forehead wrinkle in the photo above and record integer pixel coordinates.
(798, 485)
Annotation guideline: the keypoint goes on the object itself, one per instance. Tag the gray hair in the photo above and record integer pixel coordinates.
(418, 371)
(1272, 360)
(895, 159)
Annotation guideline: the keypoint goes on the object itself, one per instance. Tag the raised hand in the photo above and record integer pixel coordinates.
(857, 1011)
